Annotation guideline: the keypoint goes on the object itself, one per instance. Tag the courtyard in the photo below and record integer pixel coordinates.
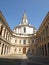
(16, 60)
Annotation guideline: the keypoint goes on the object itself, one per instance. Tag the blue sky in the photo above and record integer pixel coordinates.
(13, 11)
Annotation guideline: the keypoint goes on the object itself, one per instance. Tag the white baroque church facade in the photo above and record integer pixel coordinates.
(18, 41)
(22, 36)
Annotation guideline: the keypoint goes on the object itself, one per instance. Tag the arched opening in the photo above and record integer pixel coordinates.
(45, 50)
(4, 33)
(42, 50)
(24, 50)
(1, 29)
(32, 51)
(48, 49)
(2, 49)
(24, 29)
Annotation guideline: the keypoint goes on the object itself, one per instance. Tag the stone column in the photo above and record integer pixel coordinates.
(3, 31)
(3, 49)
(7, 50)
(8, 36)
(5, 34)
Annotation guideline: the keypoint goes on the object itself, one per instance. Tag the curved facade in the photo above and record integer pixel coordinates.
(22, 36)
(17, 41)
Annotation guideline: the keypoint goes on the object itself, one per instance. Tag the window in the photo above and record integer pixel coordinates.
(20, 41)
(19, 49)
(0, 43)
(15, 40)
(24, 29)
(29, 41)
(32, 41)
(24, 41)
(15, 49)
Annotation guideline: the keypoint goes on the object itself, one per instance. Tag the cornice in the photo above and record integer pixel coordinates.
(43, 22)
(5, 22)
(24, 26)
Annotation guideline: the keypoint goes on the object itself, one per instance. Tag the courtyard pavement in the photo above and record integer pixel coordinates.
(23, 60)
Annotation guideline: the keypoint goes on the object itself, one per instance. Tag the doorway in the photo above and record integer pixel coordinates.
(24, 50)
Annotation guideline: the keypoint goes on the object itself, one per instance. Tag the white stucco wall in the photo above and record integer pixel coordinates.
(12, 50)
(19, 50)
(20, 30)
(16, 41)
(12, 40)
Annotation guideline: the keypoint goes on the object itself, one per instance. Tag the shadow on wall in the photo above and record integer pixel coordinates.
(30, 52)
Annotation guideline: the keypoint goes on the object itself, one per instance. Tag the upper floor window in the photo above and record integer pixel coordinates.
(20, 41)
(15, 41)
(28, 41)
(19, 49)
(24, 41)
(15, 49)
(24, 29)
(32, 41)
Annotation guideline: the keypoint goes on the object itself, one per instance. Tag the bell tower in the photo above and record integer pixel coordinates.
(24, 19)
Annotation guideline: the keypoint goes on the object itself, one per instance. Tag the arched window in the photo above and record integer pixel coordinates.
(24, 41)
(24, 29)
